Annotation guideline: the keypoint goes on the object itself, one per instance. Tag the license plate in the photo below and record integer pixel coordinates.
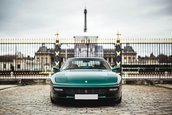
(86, 96)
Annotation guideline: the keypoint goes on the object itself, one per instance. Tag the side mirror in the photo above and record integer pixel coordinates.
(116, 68)
(56, 69)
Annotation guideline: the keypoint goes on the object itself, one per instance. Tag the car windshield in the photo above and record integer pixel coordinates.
(85, 63)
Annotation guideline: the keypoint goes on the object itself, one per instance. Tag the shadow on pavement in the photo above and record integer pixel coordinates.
(86, 103)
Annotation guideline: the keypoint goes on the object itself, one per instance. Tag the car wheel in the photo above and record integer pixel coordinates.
(119, 100)
(52, 100)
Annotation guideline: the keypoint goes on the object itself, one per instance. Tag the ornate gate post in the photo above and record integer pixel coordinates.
(57, 57)
(118, 52)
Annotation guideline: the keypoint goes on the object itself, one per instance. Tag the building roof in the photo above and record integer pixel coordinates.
(7, 58)
(44, 49)
(151, 57)
(128, 49)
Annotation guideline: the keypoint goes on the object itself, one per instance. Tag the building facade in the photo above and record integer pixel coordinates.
(129, 56)
(85, 46)
(44, 57)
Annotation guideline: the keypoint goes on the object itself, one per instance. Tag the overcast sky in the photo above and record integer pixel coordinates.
(43, 18)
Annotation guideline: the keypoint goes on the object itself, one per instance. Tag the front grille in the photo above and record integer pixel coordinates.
(72, 91)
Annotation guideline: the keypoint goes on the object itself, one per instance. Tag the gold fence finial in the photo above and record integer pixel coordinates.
(57, 35)
(57, 38)
(118, 36)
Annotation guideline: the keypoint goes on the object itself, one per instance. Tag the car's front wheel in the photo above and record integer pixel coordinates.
(52, 100)
(114, 101)
(119, 100)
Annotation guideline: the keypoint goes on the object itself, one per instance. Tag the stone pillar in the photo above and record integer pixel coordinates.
(57, 57)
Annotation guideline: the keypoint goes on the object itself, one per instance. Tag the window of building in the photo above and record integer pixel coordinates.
(37, 58)
(18, 66)
(82, 41)
(125, 59)
(91, 49)
(11, 65)
(79, 49)
(4, 66)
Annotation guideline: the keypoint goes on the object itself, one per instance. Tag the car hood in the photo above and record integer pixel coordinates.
(85, 77)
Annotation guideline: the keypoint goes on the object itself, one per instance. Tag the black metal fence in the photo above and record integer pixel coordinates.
(139, 57)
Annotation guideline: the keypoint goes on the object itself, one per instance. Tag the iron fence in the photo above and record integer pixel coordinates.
(140, 58)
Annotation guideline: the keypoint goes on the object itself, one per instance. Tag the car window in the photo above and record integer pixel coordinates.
(86, 63)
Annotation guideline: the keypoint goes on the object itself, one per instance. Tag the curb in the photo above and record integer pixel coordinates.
(7, 87)
(164, 86)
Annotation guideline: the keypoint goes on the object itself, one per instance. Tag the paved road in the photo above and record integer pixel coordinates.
(29, 100)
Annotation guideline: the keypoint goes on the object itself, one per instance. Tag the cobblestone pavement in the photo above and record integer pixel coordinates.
(29, 100)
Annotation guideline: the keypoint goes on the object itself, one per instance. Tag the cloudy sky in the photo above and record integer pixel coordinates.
(43, 18)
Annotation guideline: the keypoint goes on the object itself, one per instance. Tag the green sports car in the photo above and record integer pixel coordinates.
(85, 79)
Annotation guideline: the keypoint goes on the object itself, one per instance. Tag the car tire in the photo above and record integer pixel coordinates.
(114, 101)
(52, 100)
(119, 100)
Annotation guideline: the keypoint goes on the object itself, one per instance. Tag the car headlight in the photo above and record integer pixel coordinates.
(60, 79)
(112, 79)
(119, 79)
(58, 89)
(113, 89)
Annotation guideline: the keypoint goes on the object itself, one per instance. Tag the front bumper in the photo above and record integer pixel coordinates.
(69, 92)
